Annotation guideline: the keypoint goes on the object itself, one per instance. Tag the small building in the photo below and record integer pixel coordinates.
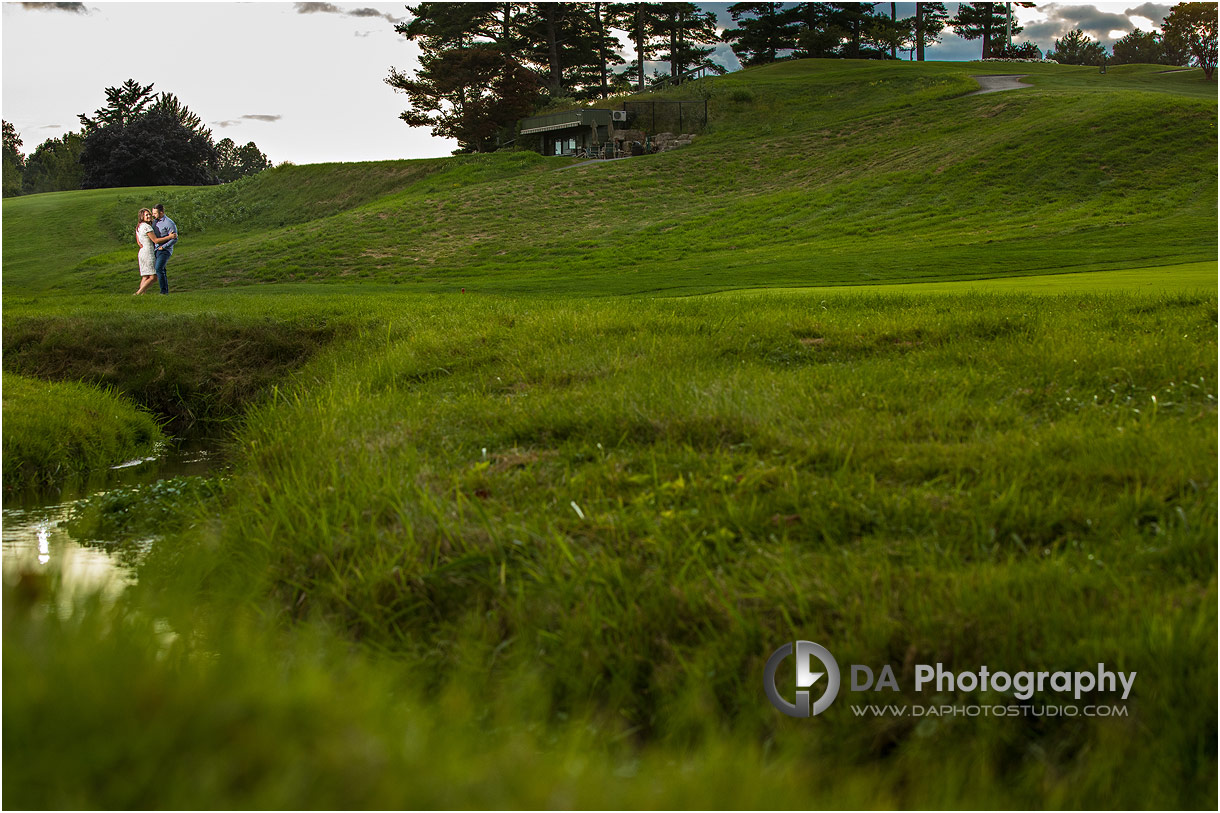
(571, 131)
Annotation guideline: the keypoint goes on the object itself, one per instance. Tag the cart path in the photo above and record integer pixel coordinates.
(997, 83)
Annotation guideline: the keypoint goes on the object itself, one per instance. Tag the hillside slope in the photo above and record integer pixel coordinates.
(812, 172)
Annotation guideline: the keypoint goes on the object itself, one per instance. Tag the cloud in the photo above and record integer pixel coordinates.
(317, 8)
(71, 8)
(247, 117)
(1151, 11)
(331, 8)
(1061, 19)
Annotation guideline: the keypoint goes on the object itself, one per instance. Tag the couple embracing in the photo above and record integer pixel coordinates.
(156, 235)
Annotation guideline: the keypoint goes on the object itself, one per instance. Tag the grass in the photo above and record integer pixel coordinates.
(56, 430)
(531, 546)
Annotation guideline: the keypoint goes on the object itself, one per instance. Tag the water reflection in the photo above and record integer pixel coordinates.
(37, 544)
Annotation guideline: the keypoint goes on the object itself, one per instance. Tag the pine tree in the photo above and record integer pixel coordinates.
(930, 21)
(1077, 48)
(123, 104)
(764, 29)
(985, 21)
(685, 29)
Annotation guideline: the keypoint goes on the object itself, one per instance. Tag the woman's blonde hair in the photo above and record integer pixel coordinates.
(140, 216)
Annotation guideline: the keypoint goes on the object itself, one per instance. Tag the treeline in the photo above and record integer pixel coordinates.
(485, 65)
(1187, 35)
(138, 138)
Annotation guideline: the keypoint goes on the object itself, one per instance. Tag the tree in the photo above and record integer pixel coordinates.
(982, 21)
(55, 166)
(123, 104)
(152, 149)
(1138, 47)
(891, 33)
(169, 104)
(642, 23)
(1195, 25)
(930, 21)
(233, 162)
(468, 94)
(764, 29)
(14, 161)
(819, 33)
(685, 28)
(1026, 50)
(1077, 48)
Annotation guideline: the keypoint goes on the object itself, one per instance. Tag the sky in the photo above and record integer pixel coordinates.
(305, 81)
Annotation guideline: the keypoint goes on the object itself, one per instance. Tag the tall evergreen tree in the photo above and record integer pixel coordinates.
(930, 21)
(985, 21)
(469, 94)
(685, 28)
(123, 104)
(763, 30)
(642, 22)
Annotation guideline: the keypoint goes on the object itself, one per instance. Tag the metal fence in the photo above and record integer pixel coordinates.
(663, 116)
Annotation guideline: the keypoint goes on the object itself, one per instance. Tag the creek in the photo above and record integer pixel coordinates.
(38, 540)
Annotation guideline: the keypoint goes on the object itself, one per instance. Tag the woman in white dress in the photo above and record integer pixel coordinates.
(145, 238)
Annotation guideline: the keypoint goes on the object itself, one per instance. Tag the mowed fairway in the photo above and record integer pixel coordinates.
(532, 545)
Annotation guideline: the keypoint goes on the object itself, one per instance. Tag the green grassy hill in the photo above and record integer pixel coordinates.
(812, 173)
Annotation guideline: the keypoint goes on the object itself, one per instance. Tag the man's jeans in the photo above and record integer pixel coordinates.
(159, 261)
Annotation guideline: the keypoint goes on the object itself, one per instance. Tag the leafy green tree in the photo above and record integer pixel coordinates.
(142, 139)
(763, 30)
(1077, 48)
(233, 162)
(123, 104)
(14, 161)
(985, 21)
(469, 94)
(930, 21)
(152, 149)
(1195, 25)
(1139, 47)
(55, 166)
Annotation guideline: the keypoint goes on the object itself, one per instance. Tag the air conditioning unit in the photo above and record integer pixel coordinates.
(619, 115)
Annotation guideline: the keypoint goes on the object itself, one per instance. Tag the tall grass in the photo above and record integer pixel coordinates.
(56, 430)
(623, 507)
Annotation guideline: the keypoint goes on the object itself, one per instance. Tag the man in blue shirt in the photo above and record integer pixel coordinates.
(162, 226)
